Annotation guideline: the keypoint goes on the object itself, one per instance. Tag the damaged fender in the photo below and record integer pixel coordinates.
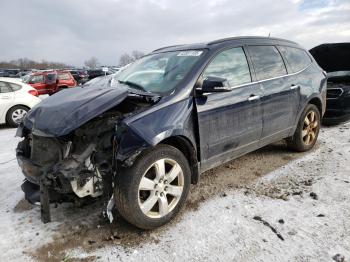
(147, 129)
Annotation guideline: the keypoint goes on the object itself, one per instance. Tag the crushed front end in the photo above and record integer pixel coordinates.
(76, 165)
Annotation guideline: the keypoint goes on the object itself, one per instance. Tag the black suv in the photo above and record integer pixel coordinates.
(141, 137)
(335, 59)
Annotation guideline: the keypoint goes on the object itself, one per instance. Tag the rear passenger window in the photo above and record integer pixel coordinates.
(15, 87)
(4, 88)
(267, 62)
(296, 58)
(230, 64)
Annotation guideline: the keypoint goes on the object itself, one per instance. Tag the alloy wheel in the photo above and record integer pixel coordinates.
(161, 188)
(18, 115)
(310, 128)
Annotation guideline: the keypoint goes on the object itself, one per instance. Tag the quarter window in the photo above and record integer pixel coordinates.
(230, 64)
(15, 87)
(64, 76)
(296, 58)
(267, 62)
(4, 88)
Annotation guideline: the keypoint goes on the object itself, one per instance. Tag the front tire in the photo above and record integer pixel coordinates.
(15, 115)
(307, 131)
(153, 190)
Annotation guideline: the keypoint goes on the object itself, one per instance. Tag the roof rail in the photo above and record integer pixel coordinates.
(246, 37)
(165, 47)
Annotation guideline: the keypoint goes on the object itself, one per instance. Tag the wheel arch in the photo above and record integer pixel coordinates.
(187, 148)
(8, 110)
(317, 102)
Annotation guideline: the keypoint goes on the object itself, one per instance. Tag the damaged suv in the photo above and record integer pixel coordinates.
(141, 138)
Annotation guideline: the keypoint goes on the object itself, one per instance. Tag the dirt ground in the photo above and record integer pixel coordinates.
(270, 205)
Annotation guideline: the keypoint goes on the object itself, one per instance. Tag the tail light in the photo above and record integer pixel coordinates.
(33, 92)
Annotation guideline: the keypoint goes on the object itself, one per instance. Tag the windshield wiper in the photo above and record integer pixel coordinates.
(134, 85)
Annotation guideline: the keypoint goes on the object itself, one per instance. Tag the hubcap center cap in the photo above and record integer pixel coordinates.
(160, 187)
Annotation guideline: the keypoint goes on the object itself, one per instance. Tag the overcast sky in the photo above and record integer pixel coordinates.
(72, 31)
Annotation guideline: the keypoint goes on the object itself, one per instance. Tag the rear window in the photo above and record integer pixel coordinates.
(267, 61)
(15, 87)
(296, 58)
(4, 88)
(63, 76)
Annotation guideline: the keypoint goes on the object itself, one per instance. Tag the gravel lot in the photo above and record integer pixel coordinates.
(270, 205)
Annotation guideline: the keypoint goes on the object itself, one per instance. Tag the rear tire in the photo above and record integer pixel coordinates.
(153, 190)
(15, 115)
(306, 133)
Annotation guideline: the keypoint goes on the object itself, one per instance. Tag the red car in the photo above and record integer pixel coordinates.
(50, 82)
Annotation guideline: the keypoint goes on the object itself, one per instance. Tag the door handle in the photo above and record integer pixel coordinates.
(253, 97)
(5, 97)
(294, 87)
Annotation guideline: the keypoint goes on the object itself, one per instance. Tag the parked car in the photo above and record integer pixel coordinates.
(16, 99)
(80, 76)
(12, 72)
(4, 73)
(22, 74)
(335, 59)
(141, 144)
(93, 73)
(50, 82)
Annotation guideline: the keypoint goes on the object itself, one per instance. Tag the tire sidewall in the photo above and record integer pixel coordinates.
(135, 174)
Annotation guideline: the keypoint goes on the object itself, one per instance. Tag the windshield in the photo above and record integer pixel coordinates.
(159, 73)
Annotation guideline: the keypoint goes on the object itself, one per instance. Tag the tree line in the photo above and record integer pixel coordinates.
(124, 59)
(25, 63)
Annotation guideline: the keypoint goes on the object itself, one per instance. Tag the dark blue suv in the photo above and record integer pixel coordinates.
(141, 137)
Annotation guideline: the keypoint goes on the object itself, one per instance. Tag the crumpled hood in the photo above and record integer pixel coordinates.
(68, 109)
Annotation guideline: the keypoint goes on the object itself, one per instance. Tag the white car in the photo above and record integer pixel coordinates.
(16, 99)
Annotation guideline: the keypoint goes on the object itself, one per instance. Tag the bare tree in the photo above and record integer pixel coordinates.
(125, 59)
(137, 54)
(91, 63)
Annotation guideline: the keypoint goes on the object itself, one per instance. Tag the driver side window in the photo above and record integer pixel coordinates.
(230, 64)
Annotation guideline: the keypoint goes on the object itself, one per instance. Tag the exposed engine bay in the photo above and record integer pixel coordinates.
(76, 166)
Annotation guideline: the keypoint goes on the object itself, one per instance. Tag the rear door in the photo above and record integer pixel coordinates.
(281, 95)
(231, 121)
(6, 99)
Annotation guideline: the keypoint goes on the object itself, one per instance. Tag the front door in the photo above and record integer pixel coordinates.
(38, 82)
(230, 123)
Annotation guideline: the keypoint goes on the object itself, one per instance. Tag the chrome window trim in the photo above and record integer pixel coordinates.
(272, 78)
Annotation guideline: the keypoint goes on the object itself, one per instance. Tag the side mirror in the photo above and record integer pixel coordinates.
(213, 84)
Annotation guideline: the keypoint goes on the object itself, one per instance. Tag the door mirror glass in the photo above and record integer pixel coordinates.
(215, 84)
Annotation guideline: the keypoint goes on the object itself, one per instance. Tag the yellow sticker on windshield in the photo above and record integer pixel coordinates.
(190, 53)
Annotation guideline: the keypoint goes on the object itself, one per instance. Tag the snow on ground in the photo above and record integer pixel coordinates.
(299, 211)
